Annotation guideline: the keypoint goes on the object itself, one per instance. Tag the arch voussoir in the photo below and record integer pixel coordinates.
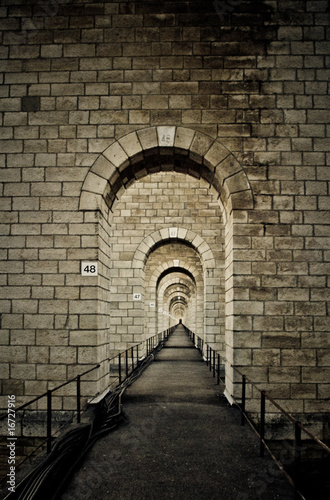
(165, 148)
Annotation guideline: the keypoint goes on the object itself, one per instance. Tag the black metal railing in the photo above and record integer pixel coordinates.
(123, 364)
(127, 362)
(49, 411)
(213, 360)
(298, 429)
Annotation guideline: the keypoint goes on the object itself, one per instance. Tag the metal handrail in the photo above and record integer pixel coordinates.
(48, 394)
(298, 426)
(290, 417)
(151, 344)
(2, 417)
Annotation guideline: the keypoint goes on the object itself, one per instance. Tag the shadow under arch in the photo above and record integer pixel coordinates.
(165, 148)
(178, 269)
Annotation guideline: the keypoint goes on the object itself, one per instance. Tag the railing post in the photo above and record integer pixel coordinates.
(78, 399)
(126, 360)
(262, 423)
(49, 421)
(218, 377)
(210, 365)
(297, 463)
(243, 399)
(119, 368)
(207, 355)
(137, 355)
(132, 358)
(213, 363)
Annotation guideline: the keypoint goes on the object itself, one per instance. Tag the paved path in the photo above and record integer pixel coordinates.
(182, 441)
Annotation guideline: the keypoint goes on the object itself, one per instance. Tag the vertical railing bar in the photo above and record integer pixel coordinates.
(132, 358)
(213, 363)
(243, 399)
(119, 368)
(262, 422)
(49, 421)
(78, 399)
(126, 360)
(297, 463)
(218, 377)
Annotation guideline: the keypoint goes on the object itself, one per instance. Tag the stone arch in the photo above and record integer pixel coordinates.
(187, 151)
(174, 234)
(158, 284)
(206, 258)
(165, 148)
(187, 288)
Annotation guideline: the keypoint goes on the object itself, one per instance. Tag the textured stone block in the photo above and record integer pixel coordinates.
(267, 357)
(116, 155)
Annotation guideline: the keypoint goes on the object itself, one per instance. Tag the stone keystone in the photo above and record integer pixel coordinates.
(166, 136)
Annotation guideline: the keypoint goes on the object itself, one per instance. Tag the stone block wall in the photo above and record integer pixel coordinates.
(242, 91)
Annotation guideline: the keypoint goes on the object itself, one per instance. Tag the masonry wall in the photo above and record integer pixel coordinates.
(76, 77)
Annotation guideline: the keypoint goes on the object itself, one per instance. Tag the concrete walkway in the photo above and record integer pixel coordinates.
(182, 441)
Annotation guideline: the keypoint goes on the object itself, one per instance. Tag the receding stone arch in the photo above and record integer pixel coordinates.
(165, 148)
(187, 289)
(191, 271)
(182, 284)
(175, 234)
(180, 236)
(169, 270)
(187, 151)
(193, 291)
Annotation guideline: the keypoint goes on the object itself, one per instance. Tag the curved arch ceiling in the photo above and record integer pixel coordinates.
(171, 270)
